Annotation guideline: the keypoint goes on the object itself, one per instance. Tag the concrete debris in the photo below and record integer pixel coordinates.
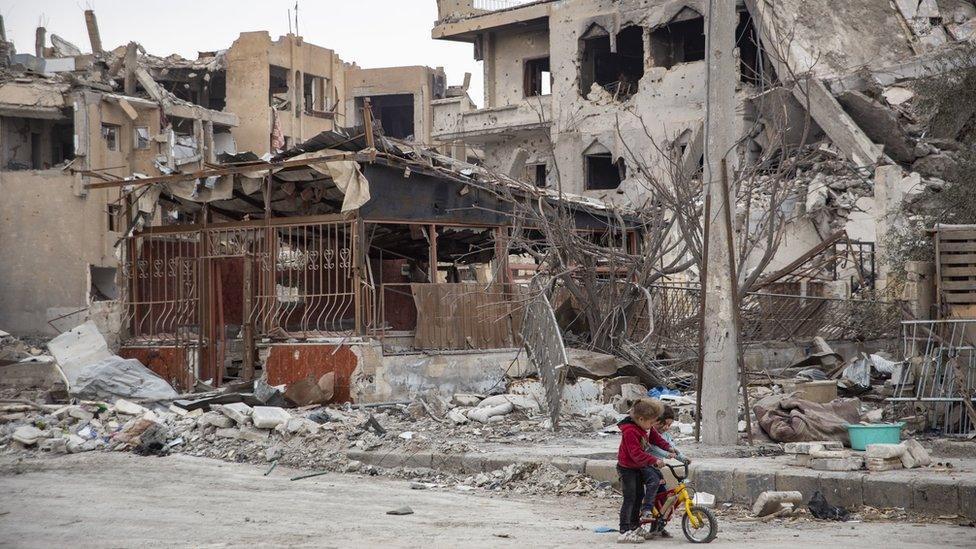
(126, 407)
(769, 503)
(237, 411)
(268, 417)
(28, 435)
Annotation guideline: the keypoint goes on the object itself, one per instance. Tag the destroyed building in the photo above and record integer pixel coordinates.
(406, 102)
(574, 87)
(70, 118)
(67, 118)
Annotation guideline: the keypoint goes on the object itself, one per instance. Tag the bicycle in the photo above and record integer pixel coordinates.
(695, 521)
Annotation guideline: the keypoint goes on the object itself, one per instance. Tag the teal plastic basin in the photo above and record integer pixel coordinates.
(876, 433)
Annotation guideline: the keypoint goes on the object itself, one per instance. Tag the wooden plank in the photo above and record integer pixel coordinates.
(957, 246)
(958, 259)
(959, 285)
(948, 272)
(967, 297)
(957, 234)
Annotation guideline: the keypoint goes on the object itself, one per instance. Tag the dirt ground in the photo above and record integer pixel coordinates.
(121, 500)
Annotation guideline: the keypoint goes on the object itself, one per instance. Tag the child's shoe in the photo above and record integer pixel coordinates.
(632, 536)
(648, 531)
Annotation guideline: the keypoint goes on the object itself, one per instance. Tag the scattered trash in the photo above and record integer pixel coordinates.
(604, 529)
(820, 509)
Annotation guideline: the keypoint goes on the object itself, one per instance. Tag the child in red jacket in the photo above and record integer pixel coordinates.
(632, 460)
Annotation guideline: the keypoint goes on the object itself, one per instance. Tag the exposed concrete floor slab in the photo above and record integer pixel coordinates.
(122, 500)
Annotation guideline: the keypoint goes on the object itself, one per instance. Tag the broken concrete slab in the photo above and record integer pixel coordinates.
(237, 411)
(884, 451)
(78, 348)
(268, 417)
(123, 406)
(918, 452)
(849, 463)
(28, 435)
(810, 447)
(772, 502)
(215, 419)
(879, 123)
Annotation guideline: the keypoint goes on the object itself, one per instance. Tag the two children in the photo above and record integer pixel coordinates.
(639, 459)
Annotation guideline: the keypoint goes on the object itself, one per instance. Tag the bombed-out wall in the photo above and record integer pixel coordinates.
(50, 238)
(298, 86)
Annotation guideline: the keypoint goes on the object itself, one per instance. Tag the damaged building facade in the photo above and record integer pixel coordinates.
(598, 97)
(64, 123)
(71, 118)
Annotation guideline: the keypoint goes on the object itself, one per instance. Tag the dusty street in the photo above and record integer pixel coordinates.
(121, 500)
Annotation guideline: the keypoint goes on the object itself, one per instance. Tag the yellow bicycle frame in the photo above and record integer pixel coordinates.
(683, 497)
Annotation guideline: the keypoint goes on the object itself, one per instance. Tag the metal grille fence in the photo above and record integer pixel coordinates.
(295, 280)
(939, 370)
(768, 317)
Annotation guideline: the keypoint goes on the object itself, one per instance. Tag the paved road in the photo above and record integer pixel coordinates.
(122, 500)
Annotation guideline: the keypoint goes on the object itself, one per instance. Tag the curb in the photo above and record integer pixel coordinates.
(730, 483)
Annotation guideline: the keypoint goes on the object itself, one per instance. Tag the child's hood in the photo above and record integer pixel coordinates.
(629, 423)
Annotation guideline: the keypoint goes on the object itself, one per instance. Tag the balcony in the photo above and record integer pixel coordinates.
(462, 19)
(495, 123)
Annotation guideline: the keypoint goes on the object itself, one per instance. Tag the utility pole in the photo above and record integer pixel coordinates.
(718, 385)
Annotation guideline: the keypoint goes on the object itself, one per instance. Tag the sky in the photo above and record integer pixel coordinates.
(373, 33)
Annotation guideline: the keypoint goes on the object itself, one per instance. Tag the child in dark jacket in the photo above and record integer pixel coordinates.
(632, 459)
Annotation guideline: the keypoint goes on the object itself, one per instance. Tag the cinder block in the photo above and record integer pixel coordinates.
(843, 489)
(851, 463)
(805, 481)
(808, 447)
(747, 484)
(886, 491)
(714, 479)
(967, 500)
(935, 496)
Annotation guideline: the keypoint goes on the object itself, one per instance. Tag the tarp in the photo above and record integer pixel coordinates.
(785, 418)
(346, 176)
(115, 377)
(93, 372)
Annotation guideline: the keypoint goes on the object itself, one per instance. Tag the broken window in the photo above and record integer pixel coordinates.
(140, 135)
(747, 40)
(278, 88)
(602, 172)
(619, 71)
(680, 41)
(34, 143)
(113, 217)
(394, 113)
(538, 78)
(103, 287)
(110, 134)
(299, 97)
(536, 173)
(315, 90)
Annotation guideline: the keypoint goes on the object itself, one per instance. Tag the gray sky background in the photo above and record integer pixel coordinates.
(373, 33)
